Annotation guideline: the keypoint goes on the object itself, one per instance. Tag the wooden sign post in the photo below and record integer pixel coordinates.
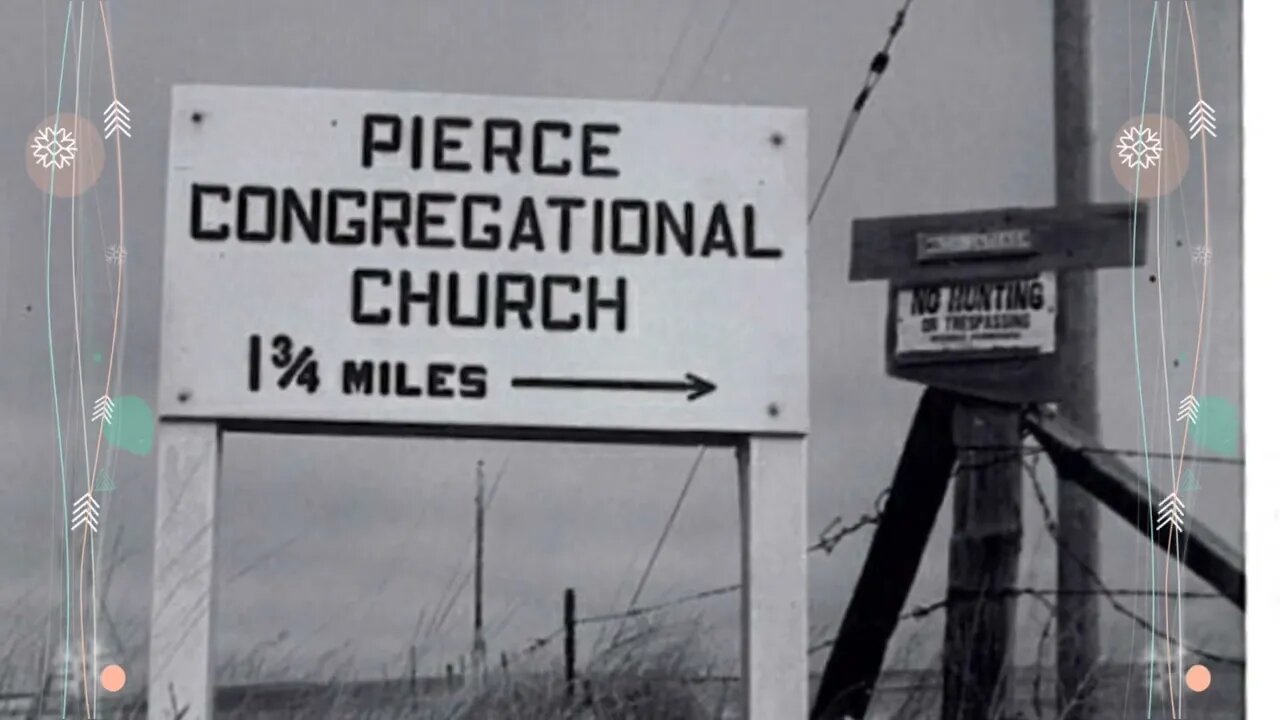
(975, 308)
(973, 297)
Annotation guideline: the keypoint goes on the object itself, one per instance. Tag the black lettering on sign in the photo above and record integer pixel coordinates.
(566, 205)
(456, 316)
(357, 377)
(1018, 297)
(641, 210)
(398, 220)
(681, 229)
(405, 388)
(472, 378)
(540, 129)
(355, 226)
(409, 296)
(591, 150)
(549, 321)
(522, 306)
(384, 378)
(719, 233)
(369, 141)
(527, 230)
(358, 314)
(415, 147)
(492, 236)
(1037, 294)
(925, 300)
(595, 304)
(749, 236)
(547, 147)
(426, 220)
(444, 143)
(293, 210)
(438, 378)
(493, 147)
(198, 230)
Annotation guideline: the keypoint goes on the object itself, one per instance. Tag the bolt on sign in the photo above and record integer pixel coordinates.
(973, 297)
(366, 256)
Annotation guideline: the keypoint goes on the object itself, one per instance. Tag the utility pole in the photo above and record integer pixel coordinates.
(982, 567)
(1077, 611)
(477, 649)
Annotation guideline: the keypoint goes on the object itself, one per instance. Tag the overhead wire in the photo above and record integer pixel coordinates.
(662, 539)
(675, 49)
(715, 40)
(879, 63)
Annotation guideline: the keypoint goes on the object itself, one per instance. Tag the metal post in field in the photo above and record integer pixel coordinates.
(570, 643)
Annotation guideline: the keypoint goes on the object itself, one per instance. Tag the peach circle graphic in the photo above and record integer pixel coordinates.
(112, 678)
(1198, 678)
(77, 173)
(1138, 163)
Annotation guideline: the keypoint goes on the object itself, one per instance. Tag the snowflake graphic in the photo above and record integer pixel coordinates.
(56, 148)
(1139, 147)
(1202, 255)
(116, 254)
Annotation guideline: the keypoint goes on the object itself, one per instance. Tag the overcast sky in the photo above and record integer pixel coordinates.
(363, 534)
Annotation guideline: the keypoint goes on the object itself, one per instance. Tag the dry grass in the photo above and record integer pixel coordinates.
(655, 672)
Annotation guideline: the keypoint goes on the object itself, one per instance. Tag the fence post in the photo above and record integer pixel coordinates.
(986, 541)
(570, 646)
(413, 676)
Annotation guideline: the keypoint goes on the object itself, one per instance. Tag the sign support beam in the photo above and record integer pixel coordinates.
(774, 571)
(182, 605)
(918, 489)
(1112, 483)
(775, 627)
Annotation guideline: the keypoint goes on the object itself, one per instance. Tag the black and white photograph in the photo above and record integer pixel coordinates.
(626, 360)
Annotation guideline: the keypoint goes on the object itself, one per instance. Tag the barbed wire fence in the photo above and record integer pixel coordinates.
(838, 530)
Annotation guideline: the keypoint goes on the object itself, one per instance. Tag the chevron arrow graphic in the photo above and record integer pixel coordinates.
(1171, 512)
(1189, 409)
(1202, 120)
(85, 513)
(103, 407)
(117, 119)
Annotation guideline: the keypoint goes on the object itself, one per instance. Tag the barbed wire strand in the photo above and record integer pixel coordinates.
(828, 540)
(1052, 527)
(662, 539)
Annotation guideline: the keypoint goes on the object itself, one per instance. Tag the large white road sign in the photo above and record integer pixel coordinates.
(399, 257)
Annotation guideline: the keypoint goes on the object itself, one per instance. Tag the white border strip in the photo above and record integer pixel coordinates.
(1261, 154)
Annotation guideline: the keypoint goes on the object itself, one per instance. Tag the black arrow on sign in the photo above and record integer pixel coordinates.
(692, 384)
